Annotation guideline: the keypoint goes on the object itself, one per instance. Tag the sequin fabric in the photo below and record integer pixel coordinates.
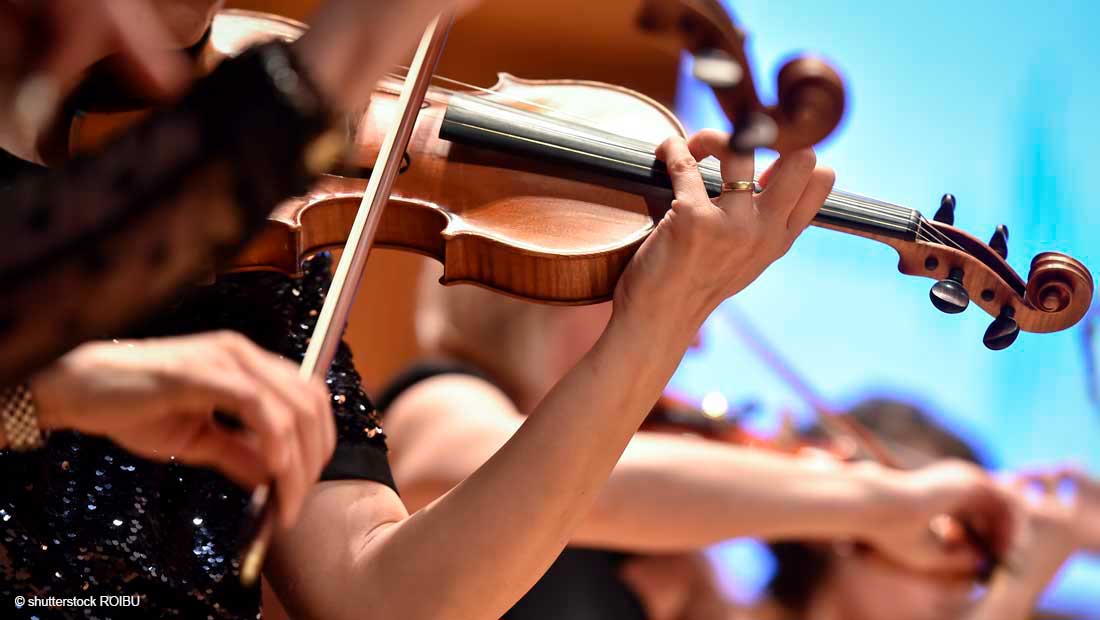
(83, 518)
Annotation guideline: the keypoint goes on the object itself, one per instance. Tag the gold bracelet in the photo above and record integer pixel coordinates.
(19, 418)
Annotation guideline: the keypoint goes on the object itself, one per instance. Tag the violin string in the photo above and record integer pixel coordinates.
(893, 221)
(638, 144)
(862, 209)
(871, 206)
(890, 211)
(901, 218)
(939, 236)
(893, 212)
(551, 111)
(552, 114)
(864, 219)
(870, 221)
(925, 230)
(928, 235)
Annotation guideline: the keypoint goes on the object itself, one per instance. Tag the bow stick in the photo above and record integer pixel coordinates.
(840, 425)
(349, 272)
(830, 419)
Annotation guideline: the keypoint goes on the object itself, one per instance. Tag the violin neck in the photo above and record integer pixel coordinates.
(477, 122)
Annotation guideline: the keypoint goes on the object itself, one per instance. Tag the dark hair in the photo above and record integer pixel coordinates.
(801, 568)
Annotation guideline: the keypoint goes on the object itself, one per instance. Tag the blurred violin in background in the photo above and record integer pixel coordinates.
(836, 434)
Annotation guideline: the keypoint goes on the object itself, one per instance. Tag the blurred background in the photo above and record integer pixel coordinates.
(994, 101)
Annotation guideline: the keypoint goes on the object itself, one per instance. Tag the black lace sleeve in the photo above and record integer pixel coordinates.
(94, 246)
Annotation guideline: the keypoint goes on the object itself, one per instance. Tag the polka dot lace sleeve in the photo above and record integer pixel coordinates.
(105, 240)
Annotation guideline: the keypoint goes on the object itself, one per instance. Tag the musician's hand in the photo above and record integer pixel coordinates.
(1082, 500)
(920, 537)
(46, 46)
(704, 250)
(351, 44)
(157, 398)
(1045, 537)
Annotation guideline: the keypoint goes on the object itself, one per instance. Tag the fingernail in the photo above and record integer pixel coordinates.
(36, 102)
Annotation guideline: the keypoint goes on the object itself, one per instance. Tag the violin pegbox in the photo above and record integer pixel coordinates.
(811, 96)
(1055, 296)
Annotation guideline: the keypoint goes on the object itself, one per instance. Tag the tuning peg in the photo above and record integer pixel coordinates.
(946, 213)
(1002, 331)
(717, 69)
(950, 295)
(999, 241)
(755, 131)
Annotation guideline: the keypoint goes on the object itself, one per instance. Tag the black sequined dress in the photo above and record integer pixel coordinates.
(83, 518)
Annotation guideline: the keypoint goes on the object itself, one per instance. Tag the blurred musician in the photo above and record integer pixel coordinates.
(844, 579)
(493, 360)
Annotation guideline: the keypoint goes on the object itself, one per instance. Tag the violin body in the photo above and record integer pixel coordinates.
(536, 230)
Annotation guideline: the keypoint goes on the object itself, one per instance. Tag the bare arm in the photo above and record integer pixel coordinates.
(674, 493)
(484, 543)
(667, 493)
(476, 550)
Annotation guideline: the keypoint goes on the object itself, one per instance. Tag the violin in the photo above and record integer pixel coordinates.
(677, 415)
(544, 189)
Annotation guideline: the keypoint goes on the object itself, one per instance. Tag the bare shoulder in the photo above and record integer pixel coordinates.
(441, 430)
(443, 402)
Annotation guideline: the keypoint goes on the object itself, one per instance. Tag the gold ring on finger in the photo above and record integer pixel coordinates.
(738, 186)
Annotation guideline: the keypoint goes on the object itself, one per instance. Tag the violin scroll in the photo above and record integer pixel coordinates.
(1055, 296)
(811, 97)
(1059, 284)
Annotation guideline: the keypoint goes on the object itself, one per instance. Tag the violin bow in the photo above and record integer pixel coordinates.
(841, 426)
(1088, 348)
(349, 272)
(830, 419)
